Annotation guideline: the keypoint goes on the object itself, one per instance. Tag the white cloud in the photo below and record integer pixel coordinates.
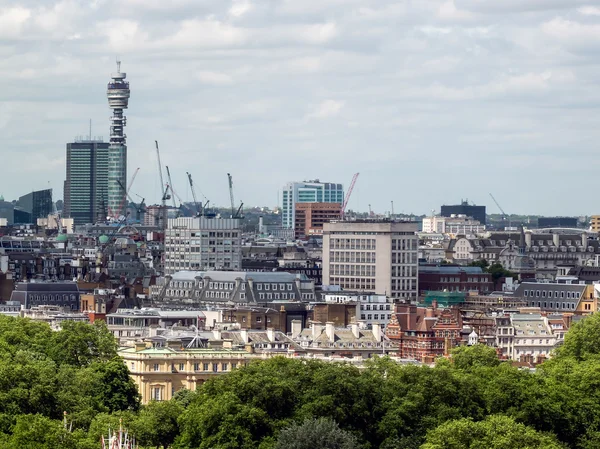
(589, 10)
(219, 79)
(254, 77)
(239, 8)
(327, 109)
(12, 20)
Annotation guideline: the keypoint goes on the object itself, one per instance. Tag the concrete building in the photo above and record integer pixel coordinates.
(307, 192)
(86, 186)
(466, 209)
(376, 256)
(237, 287)
(38, 204)
(203, 244)
(310, 218)
(455, 224)
(526, 337)
(557, 222)
(118, 100)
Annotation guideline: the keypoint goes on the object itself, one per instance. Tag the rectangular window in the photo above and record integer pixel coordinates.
(205, 367)
(156, 367)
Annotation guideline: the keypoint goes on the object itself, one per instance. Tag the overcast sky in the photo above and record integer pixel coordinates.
(430, 100)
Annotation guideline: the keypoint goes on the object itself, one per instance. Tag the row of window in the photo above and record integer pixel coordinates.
(543, 293)
(381, 307)
(564, 305)
(376, 316)
(337, 243)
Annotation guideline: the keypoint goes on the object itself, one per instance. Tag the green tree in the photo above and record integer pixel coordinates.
(322, 433)
(80, 344)
(157, 424)
(495, 432)
(583, 339)
(469, 357)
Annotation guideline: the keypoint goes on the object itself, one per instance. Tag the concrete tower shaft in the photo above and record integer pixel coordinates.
(118, 99)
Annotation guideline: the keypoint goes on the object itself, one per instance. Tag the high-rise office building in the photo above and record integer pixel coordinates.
(38, 204)
(203, 243)
(376, 256)
(86, 185)
(464, 208)
(307, 192)
(118, 99)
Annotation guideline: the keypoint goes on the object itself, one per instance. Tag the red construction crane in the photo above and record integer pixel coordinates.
(348, 193)
(127, 192)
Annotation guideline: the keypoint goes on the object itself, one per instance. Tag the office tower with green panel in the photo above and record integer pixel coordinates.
(86, 186)
(307, 192)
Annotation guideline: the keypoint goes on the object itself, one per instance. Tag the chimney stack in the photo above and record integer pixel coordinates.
(244, 335)
(377, 332)
(317, 328)
(355, 330)
(296, 328)
(330, 331)
(271, 334)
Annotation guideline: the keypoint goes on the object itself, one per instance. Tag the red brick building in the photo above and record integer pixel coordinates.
(424, 333)
(454, 279)
(310, 217)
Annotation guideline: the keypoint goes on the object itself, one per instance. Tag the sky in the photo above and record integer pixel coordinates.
(431, 101)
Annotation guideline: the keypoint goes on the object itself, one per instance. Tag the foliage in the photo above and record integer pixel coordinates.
(469, 401)
(495, 432)
(583, 339)
(469, 357)
(44, 373)
(323, 433)
(496, 269)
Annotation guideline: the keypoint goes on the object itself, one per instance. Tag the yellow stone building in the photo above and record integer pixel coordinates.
(595, 223)
(160, 372)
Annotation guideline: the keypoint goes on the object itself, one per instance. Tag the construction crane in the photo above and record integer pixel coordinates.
(139, 209)
(165, 192)
(504, 215)
(234, 213)
(231, 194)
(173, 194)
(348, 193)
(197, 205)
(126, 191)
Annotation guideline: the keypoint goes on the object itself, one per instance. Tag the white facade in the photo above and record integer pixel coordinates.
(203, 244)
(456, 224)
(521, 335)
(307, 192)
(370, 309)
(372, 256)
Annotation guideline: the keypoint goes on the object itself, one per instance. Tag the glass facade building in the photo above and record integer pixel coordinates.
(86, 186)
(307, 192)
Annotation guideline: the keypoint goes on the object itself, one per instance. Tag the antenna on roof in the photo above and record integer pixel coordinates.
(118, 65)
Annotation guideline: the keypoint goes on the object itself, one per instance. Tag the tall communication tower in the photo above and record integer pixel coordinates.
(118, 99)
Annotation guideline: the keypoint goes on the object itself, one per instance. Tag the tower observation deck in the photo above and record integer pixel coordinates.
(118, 99)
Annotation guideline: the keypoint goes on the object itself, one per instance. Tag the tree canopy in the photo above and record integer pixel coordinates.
(469, 401)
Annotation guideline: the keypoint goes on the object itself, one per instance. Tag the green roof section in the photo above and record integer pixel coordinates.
(62, 238)
(103, 239)
(444, 299)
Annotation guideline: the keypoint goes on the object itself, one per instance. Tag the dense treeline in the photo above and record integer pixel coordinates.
(471, 401)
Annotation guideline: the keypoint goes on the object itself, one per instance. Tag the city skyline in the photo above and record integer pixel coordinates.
(430, 102)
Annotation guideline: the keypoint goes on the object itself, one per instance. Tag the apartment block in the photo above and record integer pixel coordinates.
(378, 256)
(203, 244)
